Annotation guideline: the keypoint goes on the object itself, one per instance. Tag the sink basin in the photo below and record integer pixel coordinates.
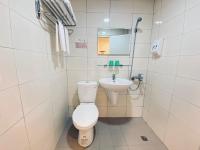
(113, 88)
(120, 84)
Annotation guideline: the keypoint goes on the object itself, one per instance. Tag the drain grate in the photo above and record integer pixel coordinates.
(144, 138)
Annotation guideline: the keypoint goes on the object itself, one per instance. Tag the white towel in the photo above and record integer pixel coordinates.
(62, 38)
(67, 41)
(57, 38)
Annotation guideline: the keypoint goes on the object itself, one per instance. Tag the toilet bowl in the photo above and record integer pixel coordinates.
(86, 114)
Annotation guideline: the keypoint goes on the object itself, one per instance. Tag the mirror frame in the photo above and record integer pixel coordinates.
(128, 54)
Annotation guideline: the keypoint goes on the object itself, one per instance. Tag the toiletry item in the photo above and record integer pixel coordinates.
(111, 63)
(117, 63)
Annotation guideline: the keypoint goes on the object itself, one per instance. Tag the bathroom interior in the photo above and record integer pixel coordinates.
(99, 75)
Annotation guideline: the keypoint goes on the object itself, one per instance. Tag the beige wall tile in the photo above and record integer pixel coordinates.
(40, 126)
(176, 135)
(161, 98)
(15, 138)
(24, 8)
(97, 20)
(188, 67)
(5, 30)
(10, 108)
(166, 65)
(5, 2)
(81, 19)
(191, 21)
(33, 41)
(115, 20)
(188, 89)
(98, 6)
(144, 36)
(186, 112)
(162, 82)
(143, 6)
(36, 66)
(157, 119)
(189, 45)
(172, 8)
(192, 3)
(8, 76)
(171, 46)
(76, 63)
(172, 27)
(121, 6)
(33, 93)
(79, 5)
(142, 50)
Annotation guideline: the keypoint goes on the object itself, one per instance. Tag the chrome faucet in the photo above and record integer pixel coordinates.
(113, 77)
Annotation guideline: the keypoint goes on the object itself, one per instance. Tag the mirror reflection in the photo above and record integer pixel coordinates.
(114, 41)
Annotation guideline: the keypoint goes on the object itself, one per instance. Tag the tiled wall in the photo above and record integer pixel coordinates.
(172, 101)
(81, 65)
(33, 92)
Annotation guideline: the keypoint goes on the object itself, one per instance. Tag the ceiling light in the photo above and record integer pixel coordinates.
(106, 20)
(158, 22)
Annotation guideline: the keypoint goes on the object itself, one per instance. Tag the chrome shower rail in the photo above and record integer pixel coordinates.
(54, 11)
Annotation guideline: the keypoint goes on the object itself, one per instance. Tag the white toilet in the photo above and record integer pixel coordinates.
(86, 114)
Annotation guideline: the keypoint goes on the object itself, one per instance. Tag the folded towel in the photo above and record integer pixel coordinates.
(67, 41)
(62, 38)
(62, 35)
(57, 38)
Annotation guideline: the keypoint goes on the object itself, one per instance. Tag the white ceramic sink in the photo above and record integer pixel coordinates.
(113, 88)
(119, 84)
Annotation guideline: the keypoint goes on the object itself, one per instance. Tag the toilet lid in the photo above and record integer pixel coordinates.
(85, 115)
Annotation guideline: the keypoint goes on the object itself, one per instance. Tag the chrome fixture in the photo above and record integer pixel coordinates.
(113, 77)
(139, 77)
(55, 10)
(134, 42)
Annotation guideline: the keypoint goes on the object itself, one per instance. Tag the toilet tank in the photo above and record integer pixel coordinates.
(87, 91)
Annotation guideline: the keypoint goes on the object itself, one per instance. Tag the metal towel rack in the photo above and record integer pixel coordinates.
(54, 11)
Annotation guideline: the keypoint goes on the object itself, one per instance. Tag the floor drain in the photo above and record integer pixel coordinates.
(144, 138)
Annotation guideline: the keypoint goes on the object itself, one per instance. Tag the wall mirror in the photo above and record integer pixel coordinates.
(114, 41)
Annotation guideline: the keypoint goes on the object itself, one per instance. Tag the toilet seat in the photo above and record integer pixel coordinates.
(85, 116)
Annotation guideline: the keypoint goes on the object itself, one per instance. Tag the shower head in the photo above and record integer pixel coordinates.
(139, 19)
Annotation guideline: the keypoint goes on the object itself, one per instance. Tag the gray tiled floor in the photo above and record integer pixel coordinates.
(114, 134)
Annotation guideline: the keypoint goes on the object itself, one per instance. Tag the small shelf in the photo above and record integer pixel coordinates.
(113, 66)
